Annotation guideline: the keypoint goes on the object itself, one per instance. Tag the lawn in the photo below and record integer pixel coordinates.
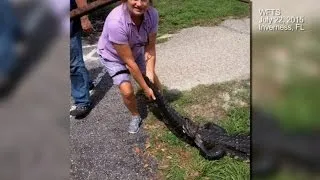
(178, 14)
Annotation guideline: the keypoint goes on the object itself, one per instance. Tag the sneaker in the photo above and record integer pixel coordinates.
(80, 112)
(134, 124)
(73, 107)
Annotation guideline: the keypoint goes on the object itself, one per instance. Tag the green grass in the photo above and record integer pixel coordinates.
(178, 14)
(237, 121)
(171, 139)
(176, 173)
(179, 160)
(214, 101)
(226, 168)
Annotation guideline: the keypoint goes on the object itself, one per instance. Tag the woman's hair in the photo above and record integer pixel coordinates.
(127, 0)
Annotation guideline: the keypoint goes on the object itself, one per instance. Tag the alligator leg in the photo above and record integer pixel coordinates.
(214, 127)
(210, 154)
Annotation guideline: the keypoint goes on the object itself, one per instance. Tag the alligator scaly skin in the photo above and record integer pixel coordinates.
(211, 139)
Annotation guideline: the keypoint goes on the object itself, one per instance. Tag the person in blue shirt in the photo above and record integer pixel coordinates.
(80, 80)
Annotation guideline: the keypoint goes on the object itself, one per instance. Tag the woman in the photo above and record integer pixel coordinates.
(127, 46)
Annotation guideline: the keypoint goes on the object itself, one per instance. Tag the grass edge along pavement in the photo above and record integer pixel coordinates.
(179, 14)
(178, 160)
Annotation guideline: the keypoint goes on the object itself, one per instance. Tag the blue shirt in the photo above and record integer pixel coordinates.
(75, 25)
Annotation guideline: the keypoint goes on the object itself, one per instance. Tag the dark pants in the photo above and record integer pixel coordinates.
(79, 75)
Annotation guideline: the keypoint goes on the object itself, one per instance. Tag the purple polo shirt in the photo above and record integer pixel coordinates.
(119, 28)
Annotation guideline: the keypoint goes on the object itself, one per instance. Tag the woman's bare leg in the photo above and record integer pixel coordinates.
(129, 99)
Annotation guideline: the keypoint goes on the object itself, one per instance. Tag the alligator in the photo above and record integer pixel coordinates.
(212, 140)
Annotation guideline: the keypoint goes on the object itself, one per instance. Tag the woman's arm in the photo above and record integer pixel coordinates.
(150, 56)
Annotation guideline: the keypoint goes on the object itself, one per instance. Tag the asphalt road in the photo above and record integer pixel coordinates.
(100, 146)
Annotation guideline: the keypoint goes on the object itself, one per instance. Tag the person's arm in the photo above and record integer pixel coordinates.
(150, 50)
(150, 56)
(125, 53)
(85, 22)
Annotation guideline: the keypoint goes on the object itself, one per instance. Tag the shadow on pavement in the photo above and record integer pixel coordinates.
(103, 85)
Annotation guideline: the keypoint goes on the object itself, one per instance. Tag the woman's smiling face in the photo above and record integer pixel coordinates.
(138, 7)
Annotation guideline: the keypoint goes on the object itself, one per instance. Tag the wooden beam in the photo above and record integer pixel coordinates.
(91, 7)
